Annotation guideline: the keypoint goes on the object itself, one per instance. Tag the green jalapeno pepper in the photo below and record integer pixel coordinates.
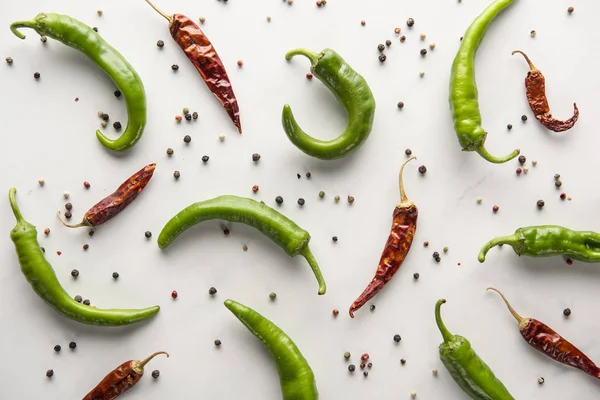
(469, 371)
(351, 90)
(295, 375)
(43, 280)
(79, 36)
(281, 230)
(549, 240)
(464, 101)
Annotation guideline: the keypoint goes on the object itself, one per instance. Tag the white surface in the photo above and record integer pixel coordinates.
(46, 134)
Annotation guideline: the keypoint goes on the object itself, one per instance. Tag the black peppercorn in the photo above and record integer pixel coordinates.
(155, 374)
(212, 291)
(335, 238)
(279, 200)
(410, 22)
(68, 215)
(301, 201)
(388, 43)
(205, 159)
(400, 104)
(50, 373)
(57, 348)
(170, 151)
(36, 75)
(217, 342)
(78, 298)
(117, 93)
(567, 312)
(381, 47)
(382, 57)
(160, 43)
(422, 170)
(188, 117)
(174, 67)
(522, 160)
(148, 234)
(416, 275)
(308, 175)
(408, 152)
(423, 52)
(187, 138)
(117, 125)
(176, 174)
(509, 127)
(255, 157)
(87, 302)
(75, 273)
(540, 203)
(397, 338)
(351, 368)
(115, 275)
(523, 117)
(72, 345)
(195, 115)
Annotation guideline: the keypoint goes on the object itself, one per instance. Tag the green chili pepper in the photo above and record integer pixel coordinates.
(549, 240)
(77, 35)
(469, 371)
(351, 90)
(296, 378)
(464, 101)
(281, 230)
(41, 276)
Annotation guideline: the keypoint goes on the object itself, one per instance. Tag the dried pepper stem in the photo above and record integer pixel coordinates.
(397, 246)
(544, 339)
(535, 85)
(116, 202)
(121, 379)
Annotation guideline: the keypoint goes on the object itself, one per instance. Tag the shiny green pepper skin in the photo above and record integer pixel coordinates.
(464, 101)
(469, 371)
(351, 90)
(549, 240)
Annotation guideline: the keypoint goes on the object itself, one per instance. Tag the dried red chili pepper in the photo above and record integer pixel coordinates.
(396, 248)
(203, 55)
(116, 202)
(544, 339)
(535, 84)
(120, 380)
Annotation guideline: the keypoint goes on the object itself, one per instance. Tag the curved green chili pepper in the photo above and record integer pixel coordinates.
(549, 240)
(469, 371)
(295, 375)
(281, 230)
(464, 101)
(77, 35)
(41, 276)
(351, 90)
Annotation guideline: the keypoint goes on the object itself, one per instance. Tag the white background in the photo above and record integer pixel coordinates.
(46, 134)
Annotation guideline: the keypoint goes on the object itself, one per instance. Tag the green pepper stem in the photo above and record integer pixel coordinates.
(14, 205)
(311, 55)
(404, 202)
(82, 223)
(511, 240)
(440, 324)
(306, 253)
(161, 12)
(496, 160)
(14, 27)
(150, 357)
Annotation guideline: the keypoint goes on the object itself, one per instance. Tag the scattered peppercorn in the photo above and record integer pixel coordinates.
(160, 43)
(226, 232)
(540, 203)
(115, 275)
(78, 298)
(336, 198)
(523, 117)
(86, 302)
(509, 127)
(570, 10)
(244, 247)
(347, 355)
(416, 275)
(68, 215)
(556, 176)
(41, 181)
(522, 160)
(308, 175)
(255, 157)
(86, 184)
(541, 380)
(425, 243)
(174, 67)
(148, 234)
(36, 75)
(432, 46)
(301, 201)
(372, 308)
(380, 47)
(350, 199)
(187, 138)
(298, 176)
(176, 174)
(402, 39)
(519, 171)
(43, 39)
(436, 254)
(382, 58)
(194, 115)
(104, 117)
(309, 76)
(155, 374)
(72, 345)
(434, 371)
(95, 28)
(400, 105)
(364, 357)
(397, 338)
(279, 200)
(366, 373)
(86, 246)
(117, 125)
(421, 74)
(217, 342)
(558, 183)
(335, 238)
(50, 373)
(351, 367)
(363, 22)
(410, 22)
(202, 19)
(423, 52)
(422, 170)
(495, 209)
(57, 348)
(533, 33)
(402, 361)
(397, 31)
(272, 295)
(103, 124)
(47, 231)
(321, 194)
(563, 196)
(413, 394)
(388, 43)
(174, 294)
(188, 117)
(9, 60)
(117, 93)
(370, 365)
(255, 188)
(335, 312)
(567, 312)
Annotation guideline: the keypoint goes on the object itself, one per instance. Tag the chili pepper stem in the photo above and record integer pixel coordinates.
(404, 201)
(150, 357)
(307, 254)
(15, 207)
(522, 321)
(496, 160)
(14, 27)
(311, 55)
(512, 240)
(531, 66)
(440, 324)
(161, 12)
(84, 222)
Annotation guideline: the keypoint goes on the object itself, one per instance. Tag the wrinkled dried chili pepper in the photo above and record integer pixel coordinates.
(544, 339)
(116, 202)
(203, 55)
(535, 84)
(396, 248)
(120, 380)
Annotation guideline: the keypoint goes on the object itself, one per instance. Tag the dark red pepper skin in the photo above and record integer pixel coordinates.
(543, 338)
(117, 382)
(396, 248)
(203, 55)
(120, 199)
